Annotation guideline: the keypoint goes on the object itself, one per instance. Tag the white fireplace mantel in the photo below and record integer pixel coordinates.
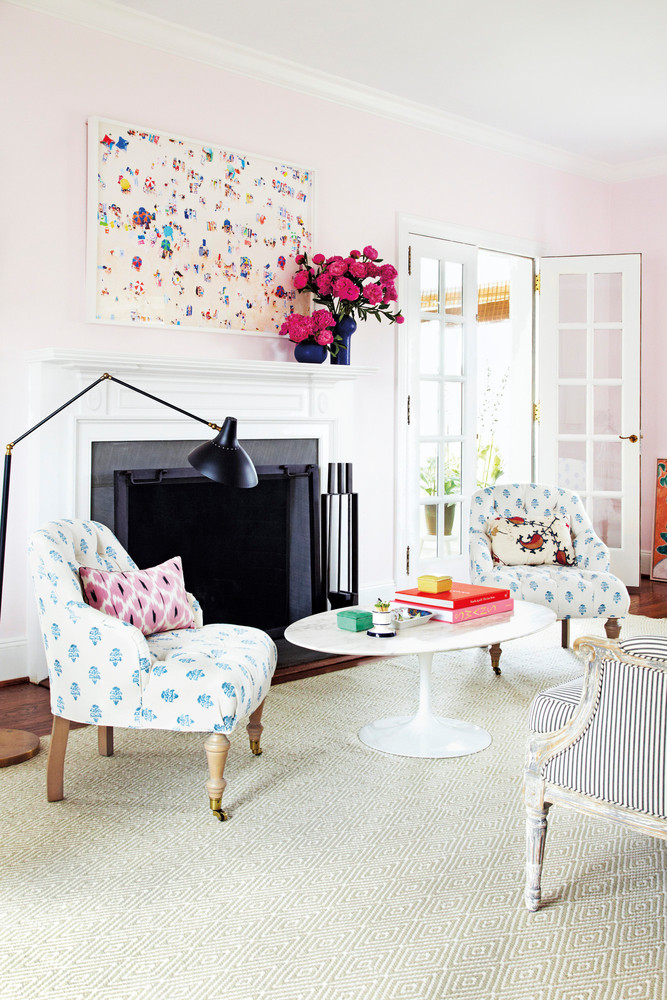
(271, 399)
(94, 363)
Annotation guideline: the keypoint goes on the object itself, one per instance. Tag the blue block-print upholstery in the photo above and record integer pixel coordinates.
(587, 590)
(206, 679)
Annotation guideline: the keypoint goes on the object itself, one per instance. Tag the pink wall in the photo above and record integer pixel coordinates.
(639, 224)
(368, 169)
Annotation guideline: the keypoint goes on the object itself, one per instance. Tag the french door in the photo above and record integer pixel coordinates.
(470, 369)
(441, 435)
(589, 434)
(466, 366)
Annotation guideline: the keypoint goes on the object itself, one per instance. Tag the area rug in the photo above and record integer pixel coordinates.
(342, 873)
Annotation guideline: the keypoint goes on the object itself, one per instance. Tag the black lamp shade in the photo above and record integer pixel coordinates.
(224, 460)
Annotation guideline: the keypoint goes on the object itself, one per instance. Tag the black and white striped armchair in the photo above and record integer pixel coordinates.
(598, 745)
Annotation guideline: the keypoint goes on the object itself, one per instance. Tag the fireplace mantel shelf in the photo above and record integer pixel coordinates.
(94, 363)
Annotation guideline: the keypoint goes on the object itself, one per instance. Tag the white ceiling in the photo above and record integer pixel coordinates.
(587, 77)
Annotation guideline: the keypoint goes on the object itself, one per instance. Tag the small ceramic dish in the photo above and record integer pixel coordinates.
(403, 617)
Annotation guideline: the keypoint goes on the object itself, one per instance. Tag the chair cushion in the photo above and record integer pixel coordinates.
(518, 541)
(570, 592)
(154, 600)
(206, 679)
(551, 709)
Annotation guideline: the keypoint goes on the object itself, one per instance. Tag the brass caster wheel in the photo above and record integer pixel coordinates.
(217, 810)
(496, 671)
(256, 748)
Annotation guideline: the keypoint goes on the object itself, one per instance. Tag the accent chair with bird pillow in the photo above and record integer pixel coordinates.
(575, 582)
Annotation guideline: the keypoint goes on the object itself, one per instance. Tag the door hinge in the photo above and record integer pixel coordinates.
(537, 412)
(407, 560)
(409, 260)
(408, 411)
(538, 282)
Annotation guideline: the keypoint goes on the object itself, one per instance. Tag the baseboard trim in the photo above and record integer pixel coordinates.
(14, 660)
(645, 563)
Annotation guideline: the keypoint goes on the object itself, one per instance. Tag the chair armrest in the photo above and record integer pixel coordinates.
(590, 551)
(481, 560)
(196, 609)
(112, 631)
(97, 665)
(612, 748)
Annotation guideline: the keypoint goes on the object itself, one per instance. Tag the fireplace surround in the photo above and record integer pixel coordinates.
(272, 401)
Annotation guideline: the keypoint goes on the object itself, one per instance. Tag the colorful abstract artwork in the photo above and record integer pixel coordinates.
(659, 553)
(184, 233)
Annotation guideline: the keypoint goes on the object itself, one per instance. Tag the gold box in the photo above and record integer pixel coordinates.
(434, 584)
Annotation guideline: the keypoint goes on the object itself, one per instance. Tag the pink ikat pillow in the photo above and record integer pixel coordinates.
(154, 600)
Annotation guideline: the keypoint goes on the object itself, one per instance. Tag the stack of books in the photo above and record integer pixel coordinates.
(464, 602)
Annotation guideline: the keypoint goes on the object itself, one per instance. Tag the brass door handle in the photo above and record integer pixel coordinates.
(630, 437)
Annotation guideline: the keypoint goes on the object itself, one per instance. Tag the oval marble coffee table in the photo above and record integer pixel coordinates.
(423, 734)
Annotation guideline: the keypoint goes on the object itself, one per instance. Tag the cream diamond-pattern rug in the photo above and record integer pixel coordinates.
(342, 874)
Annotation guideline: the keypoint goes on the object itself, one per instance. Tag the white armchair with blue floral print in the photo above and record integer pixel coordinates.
(587, 589)
(105, 672)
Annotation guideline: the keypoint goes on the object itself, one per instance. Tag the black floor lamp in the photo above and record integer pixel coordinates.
(222, 459)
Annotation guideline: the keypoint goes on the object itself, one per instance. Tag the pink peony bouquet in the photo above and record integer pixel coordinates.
(317, 328)
(357, 285)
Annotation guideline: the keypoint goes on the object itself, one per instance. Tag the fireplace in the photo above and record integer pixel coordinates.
(250, 556)
(276, 403)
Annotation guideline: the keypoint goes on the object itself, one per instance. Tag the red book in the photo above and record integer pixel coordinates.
(461, 595)
(473, 612)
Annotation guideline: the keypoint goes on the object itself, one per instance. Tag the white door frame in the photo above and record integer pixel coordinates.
(408, 225)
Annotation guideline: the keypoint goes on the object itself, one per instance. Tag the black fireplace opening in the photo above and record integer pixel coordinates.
(250, 556)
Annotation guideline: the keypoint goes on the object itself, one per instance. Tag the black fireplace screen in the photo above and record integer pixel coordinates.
(250, 556)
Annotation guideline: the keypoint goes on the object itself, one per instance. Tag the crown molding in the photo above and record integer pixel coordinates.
(635, 170)
(145, 29)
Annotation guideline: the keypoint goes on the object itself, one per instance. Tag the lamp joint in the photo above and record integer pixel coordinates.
(213, 426)
(9, 449)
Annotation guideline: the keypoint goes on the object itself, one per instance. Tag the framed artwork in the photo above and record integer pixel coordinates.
(659, 551)
(190, 234)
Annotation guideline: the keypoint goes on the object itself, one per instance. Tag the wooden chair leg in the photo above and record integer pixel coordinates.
(254, 729)
(495, 652)
(105, 740)
(565, 633)
(217, 748)
(536, 835)
(612, 627)
(55, 765)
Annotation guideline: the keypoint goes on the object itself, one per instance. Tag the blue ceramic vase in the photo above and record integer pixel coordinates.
(309, 353)
(344, 329)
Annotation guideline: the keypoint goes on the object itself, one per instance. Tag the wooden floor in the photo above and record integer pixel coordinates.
(26, 706)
